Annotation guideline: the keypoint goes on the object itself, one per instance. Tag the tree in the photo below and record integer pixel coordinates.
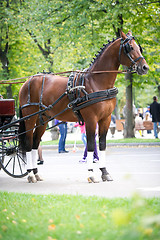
(64, 35)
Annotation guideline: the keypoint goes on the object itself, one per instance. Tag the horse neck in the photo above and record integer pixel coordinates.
(108, 61)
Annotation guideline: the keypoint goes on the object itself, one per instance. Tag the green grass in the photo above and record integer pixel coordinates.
(123, 140)
(133, 140)
(48, 217)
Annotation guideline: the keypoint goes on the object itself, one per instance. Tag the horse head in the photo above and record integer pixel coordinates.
(131, 56)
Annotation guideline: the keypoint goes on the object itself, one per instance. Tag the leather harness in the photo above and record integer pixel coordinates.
(77, 96)
(77, 102)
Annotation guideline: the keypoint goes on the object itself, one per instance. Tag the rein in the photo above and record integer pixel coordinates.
(61, 73)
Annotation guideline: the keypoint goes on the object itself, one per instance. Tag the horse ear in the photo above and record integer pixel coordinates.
(129, 33)
(123, 35)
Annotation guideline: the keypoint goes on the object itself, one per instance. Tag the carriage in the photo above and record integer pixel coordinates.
(87, 96)
(11, 159)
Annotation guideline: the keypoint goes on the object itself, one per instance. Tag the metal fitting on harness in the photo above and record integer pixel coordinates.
(74, 88)
(70, 105)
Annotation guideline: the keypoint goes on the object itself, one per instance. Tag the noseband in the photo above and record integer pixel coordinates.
(127, 49)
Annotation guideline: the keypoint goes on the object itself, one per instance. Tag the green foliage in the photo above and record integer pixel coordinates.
(64, 35)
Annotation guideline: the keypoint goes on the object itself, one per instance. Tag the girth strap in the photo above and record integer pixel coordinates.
(92, 98)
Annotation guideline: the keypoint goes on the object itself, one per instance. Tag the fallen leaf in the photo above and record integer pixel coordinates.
(24, 220)
(103, 215)
(52, 227)
(4, 210)
(81, 225)
(50, 238)
(14, 222)
(77, 217)
(50, 220)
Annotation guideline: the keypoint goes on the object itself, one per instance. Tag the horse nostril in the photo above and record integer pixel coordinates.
(145, 67)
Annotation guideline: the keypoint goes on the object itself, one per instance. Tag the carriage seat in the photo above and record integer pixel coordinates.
(7, 111)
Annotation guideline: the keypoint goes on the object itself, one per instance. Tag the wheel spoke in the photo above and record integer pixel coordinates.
(19, 165)
(13, 165)
(8, 162)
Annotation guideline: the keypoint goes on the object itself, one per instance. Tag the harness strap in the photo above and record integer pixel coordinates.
(29, 103)
(74, 88)
(42, 107)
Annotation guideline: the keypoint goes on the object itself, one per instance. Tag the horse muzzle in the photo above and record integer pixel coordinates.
(142, 69)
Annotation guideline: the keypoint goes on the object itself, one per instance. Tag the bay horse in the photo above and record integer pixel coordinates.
(42, 90)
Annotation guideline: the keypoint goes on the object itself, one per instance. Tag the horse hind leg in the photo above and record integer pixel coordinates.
(31, 153)
(102, 166)
(102, 147)
(36, 141)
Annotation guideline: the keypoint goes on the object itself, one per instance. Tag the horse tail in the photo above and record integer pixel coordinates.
(22, 133)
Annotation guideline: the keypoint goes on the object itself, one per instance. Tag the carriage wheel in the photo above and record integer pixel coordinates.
(11, 159)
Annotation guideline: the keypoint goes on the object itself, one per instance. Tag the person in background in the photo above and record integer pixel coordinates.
(40, 158)
(83, 132)
(139, 124)
(1, 97)
(63, 134)
(140, 114)
(95, 154)
(112, 126)
(147, 111)
(148, 118)
(155, 112)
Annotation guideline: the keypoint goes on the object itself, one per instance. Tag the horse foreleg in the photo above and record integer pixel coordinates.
(102, 153)
(32, 143)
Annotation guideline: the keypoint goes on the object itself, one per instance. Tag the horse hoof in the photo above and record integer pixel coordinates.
(106, 177)
(31, 179)
(38, 178)
(92, 180)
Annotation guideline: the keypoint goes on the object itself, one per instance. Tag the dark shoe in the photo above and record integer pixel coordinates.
(65, 151)
(40, 162)
(95, 160)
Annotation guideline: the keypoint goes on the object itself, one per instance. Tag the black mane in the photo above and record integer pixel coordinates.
(102, 49)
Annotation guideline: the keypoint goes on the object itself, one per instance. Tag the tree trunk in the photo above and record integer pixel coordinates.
(129, 121)
(116, 110)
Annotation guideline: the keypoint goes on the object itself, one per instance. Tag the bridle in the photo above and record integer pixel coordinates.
(127, 49)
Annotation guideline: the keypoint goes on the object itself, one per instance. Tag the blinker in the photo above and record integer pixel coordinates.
(127, 48)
